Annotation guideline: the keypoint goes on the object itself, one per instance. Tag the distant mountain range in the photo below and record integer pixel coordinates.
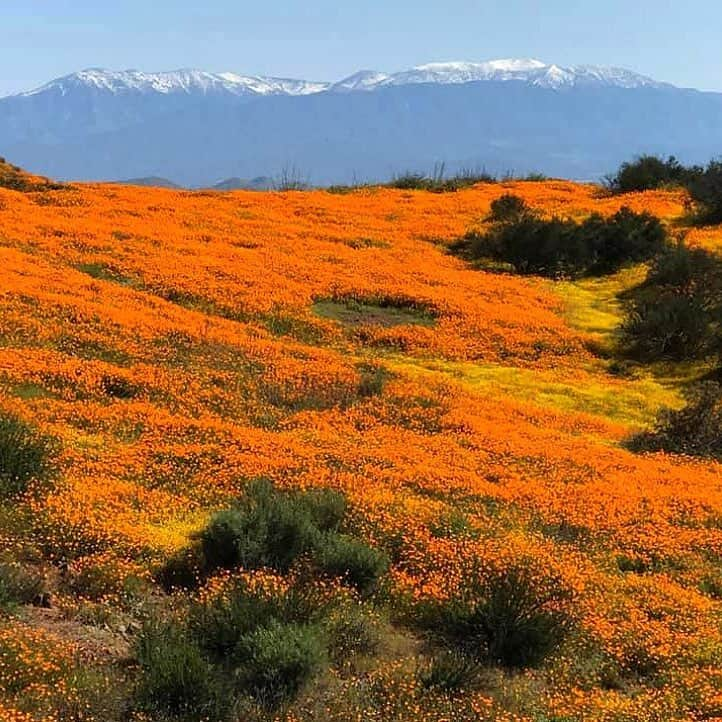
(195, 127)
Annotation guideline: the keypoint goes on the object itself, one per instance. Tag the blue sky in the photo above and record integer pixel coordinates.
(328, 39)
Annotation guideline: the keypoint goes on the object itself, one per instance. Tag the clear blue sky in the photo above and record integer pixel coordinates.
(326, 39)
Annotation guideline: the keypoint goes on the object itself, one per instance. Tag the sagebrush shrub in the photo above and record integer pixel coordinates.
(271, 528)
(175, 677)
(508, 617)
(219, 624)
(509, 208)
(274, 662)
(350, 559)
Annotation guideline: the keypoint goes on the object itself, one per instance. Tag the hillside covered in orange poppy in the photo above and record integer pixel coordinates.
(178, 346)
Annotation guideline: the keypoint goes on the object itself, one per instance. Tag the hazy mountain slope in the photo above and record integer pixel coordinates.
(579, 132)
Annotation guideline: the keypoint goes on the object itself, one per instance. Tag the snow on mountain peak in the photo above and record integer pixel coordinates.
(177, 81)
(528, 70)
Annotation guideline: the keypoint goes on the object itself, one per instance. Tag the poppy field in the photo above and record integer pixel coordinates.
(175, 347)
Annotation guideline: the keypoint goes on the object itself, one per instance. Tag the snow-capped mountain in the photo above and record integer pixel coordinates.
(195, 127)
(531, 71)
(188, 81)
(178, 81)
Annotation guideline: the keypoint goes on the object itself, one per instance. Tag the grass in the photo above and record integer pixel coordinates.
(592, 305)
(634, 402)
(352, 313)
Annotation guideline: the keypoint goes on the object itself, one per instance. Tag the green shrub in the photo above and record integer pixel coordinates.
(437, 182)
(266, 528)
(276, 661)
(672, 327)
(351, 631)
(184, 570)
(675, 313)
(221, 538)
(326, 507)
(26, 455)
(507, 617)
(349, 558)
(220, 624)
(450, 671)
(509, 208)
(562, 247)
(695, 430)
(648, 172)
(705, 188)
(175, 678)
(20, 584)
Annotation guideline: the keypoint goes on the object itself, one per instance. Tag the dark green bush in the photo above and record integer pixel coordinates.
(184, 570)
(705, 188)
(175, 677)
(509, 208)
(695, 430)
(450, 671)
(562, 247)
(437, 182)
(266, 528)
(507, 618)
(648, 172)
(26, 455)
(267, 645)
(675, 313)
(219, 625)
(271, 528)
(349, 558)
(274, 662)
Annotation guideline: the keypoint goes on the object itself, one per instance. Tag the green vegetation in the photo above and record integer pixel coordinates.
(19, 584)
(648, 172)
(705, 188)
(244, 643)
(676, 312)
(26, 455)
(704, 184)
(508, 617)
(450, 671)
(268, 528)
(695, 430)
(386, 312)
(437, 182)
(175, 678)
(558, 247)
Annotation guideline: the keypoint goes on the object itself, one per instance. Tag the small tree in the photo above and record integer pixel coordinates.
(705, 188)
(648, 172)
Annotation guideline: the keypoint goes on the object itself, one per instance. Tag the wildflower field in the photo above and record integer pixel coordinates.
(175, 347)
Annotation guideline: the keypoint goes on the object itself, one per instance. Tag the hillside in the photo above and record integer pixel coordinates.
(178, 345)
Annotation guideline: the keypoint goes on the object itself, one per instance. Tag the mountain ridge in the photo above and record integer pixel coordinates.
(518, 116)
(529, 70)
